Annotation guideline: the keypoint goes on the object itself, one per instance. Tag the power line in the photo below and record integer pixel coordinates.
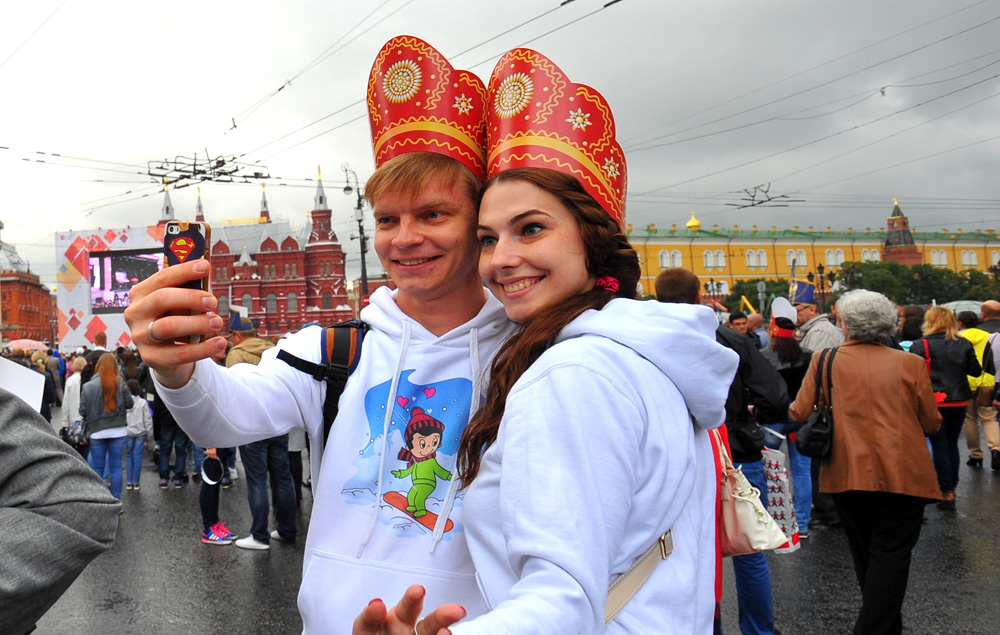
(811, 69)
(32, 34)
(829, 136)
(328, 52)
(820, 85)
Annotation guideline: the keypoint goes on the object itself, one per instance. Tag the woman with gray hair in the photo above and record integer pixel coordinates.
(879, 470)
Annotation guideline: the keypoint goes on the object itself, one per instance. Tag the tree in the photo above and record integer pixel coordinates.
(919, 284)
(748, 288)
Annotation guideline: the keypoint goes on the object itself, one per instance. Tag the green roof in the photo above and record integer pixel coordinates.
(791, 234)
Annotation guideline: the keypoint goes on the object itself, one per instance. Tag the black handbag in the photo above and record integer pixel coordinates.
(815, 437)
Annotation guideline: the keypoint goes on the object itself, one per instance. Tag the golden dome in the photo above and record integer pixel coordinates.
(694, 224)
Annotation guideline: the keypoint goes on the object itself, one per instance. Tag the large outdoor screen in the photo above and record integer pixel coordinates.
(114, 273)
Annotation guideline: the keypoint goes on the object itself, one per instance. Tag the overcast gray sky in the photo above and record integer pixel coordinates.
(840, 105)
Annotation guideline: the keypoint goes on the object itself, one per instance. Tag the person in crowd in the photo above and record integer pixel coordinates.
(755, 325)
(56, 516)
(140, 432)
(912, 326)
(816, 330)
(759, 384)
(738, 322)
(878, 471)
(71, 402)
(104, 402)
(174, 439)
(100, 347)
(49, 395)
(949, 360)
(264, 460)
(791, 361)
(57, 368)
(980, 411)
(428, 345)
(133, 368)
(214, 530)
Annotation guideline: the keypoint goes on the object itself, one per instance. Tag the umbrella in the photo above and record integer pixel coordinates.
(964, 305)
(28, 345)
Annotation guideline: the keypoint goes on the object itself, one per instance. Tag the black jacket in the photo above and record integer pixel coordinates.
(951, 362)
(756, 383)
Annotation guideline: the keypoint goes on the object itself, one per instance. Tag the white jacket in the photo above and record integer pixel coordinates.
(360, 547)
(595, 458)
(71, 401)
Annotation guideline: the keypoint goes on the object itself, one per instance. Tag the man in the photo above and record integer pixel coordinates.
(738, 322)
(818, 332)
(981, 410)
(56, 516)
(428, 346)
(757, 380)
(755, 325)
(268, 457)
(100, 343)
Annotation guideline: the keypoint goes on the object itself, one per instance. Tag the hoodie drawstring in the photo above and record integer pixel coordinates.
(385, 434)
(449, 498)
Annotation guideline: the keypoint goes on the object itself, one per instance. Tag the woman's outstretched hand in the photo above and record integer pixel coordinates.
(404, 618)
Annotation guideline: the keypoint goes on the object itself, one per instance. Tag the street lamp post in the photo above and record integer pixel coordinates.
(822, 284)
(358, 216)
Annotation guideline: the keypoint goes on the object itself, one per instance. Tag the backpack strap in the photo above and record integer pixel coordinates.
(341, 350)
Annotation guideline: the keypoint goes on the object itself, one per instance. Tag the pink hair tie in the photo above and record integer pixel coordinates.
(609, 283)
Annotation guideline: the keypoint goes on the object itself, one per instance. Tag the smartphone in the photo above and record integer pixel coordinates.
(184, 241)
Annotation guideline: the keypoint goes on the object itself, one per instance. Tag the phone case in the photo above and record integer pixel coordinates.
(184, 241)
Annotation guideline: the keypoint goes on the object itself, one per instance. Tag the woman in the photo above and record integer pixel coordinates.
(71, 401)
(104, 402)
(792, 361)
(952, 359)
(590, 450)
(878, 470)
(139, 427)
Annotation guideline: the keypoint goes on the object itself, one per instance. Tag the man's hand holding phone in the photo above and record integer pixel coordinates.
(171, 311)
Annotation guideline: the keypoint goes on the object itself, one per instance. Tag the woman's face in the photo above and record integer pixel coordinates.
(533, 255)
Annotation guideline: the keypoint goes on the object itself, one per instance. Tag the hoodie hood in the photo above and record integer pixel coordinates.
(679, 339)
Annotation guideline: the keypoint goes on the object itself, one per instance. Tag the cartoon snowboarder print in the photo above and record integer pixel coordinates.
(422, 437)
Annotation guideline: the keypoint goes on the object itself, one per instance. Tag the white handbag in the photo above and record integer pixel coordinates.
(745, 526)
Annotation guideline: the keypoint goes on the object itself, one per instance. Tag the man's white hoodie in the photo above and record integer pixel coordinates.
(360, 546)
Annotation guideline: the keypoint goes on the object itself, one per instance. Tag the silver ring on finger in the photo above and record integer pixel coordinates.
(415, 630)
(149, 332)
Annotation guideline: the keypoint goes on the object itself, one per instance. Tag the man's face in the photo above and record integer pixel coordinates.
(804, 313)
(739, 324)
(427, 240)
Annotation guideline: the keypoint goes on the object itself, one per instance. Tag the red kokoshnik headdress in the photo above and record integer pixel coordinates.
(537, 118)
(418, 102)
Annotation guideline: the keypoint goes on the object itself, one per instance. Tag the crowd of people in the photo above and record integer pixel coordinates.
(511, 386)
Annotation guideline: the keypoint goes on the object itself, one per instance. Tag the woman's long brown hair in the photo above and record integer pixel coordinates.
(608, 253)
(107, 368)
